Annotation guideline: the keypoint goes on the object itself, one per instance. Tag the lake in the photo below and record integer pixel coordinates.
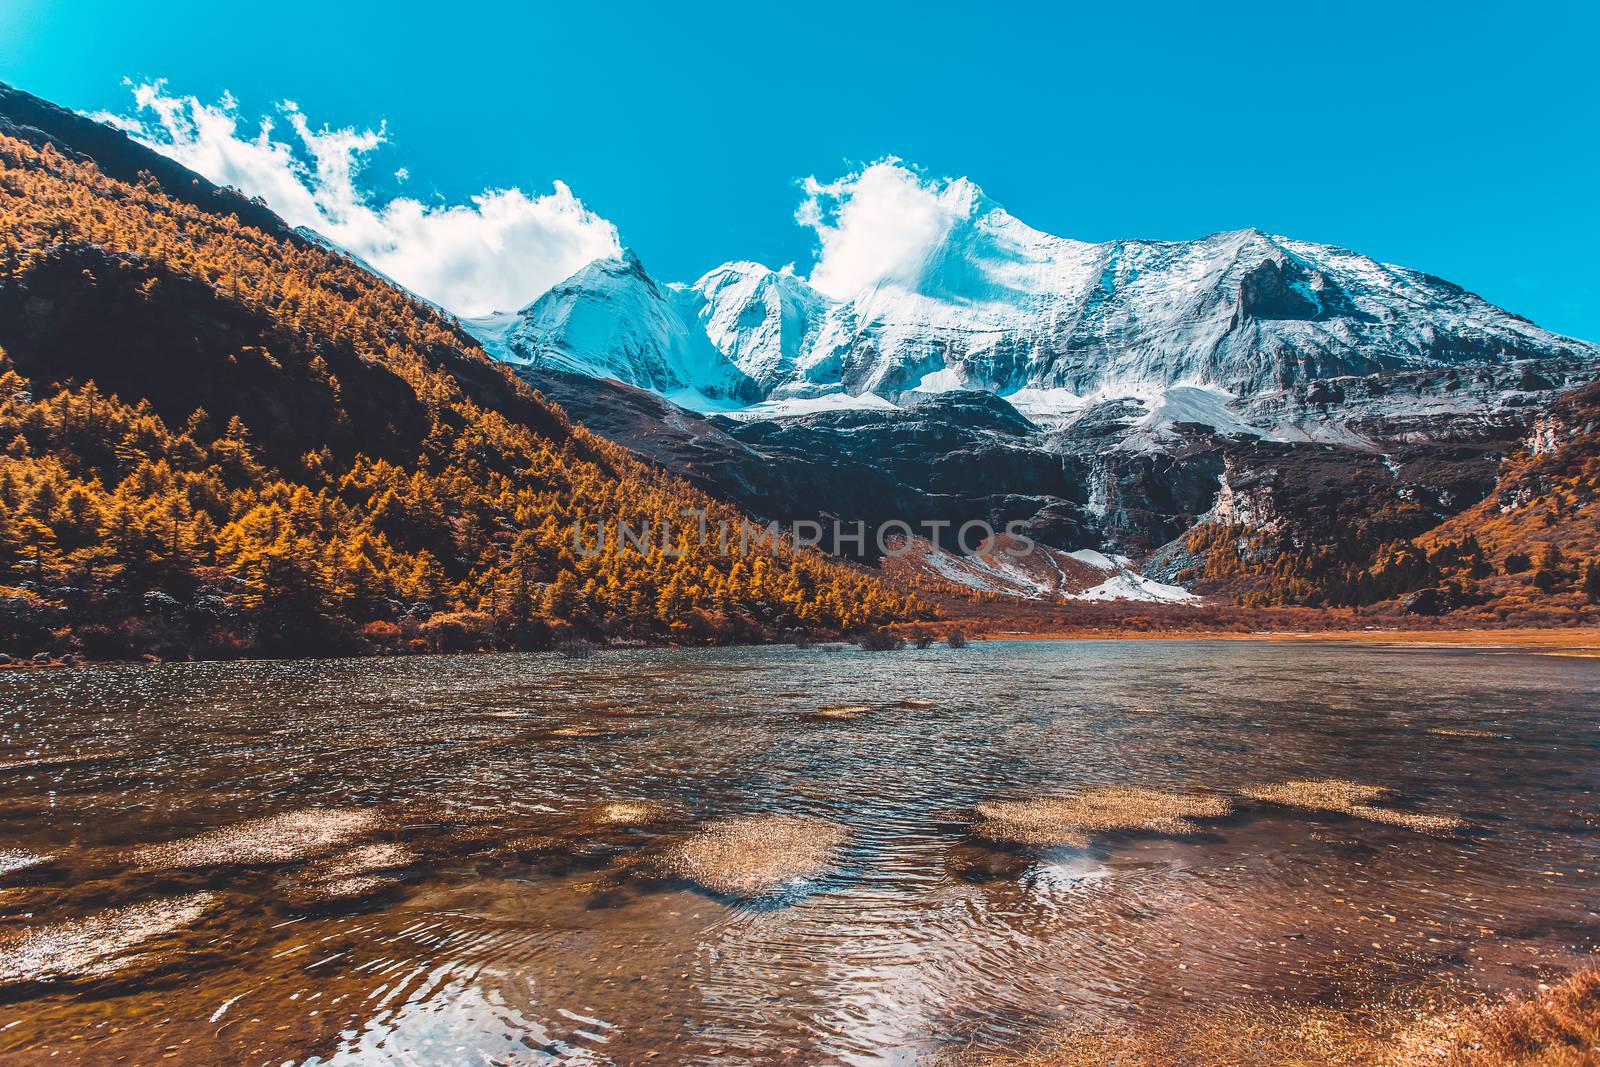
(467, 859)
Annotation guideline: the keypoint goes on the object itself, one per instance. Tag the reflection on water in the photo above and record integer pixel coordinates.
(423, 861)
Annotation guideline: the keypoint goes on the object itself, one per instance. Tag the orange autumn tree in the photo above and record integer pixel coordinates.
(218, 441)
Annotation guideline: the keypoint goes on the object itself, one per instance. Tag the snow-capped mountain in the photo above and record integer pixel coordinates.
(1053, 324)
(612, 320)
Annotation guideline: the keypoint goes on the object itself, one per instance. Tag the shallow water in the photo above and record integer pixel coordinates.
(521, 929)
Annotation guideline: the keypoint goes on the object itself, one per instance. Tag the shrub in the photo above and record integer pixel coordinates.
(880, 640)
(381, 633)
(956, 639)
(576, 648)
(456, 631)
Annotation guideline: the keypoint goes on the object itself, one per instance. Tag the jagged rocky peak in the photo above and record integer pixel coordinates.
(1056, 325)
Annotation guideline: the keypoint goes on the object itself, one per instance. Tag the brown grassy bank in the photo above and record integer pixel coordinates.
(1555, 1026)
(1575, 640)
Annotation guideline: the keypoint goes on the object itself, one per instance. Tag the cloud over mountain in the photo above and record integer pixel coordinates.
(878, 224)
(502, 249)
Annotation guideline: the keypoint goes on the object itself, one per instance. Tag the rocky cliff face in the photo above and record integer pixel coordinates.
(948, 461)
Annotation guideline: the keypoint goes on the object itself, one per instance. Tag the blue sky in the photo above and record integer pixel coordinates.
(1462, 139)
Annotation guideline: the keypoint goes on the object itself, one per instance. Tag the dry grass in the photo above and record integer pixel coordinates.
(754, 855)
(283, 838)
(1323, 794)
(1267, 1038)
(98, 945)
(1422, 822)
(1069, 820)
(1350, 798)
(1558, 1026)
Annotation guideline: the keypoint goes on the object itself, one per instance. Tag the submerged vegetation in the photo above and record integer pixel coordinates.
(1069, 820)
(840, 712)
(218, 441)
(352, 875)
(97, 945)
(756, 855)
(280, 838)
(1350, 798)
(632, 813)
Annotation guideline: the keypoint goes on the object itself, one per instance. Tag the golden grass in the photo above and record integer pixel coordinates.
(98, 945)
(1422, 822)
(282, 838)
(1558, 1026)
(1350, 798)
(1235, 1038)
(1070, 819)
(754, 855)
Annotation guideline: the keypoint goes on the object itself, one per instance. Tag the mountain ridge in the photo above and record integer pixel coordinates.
(1057, 323)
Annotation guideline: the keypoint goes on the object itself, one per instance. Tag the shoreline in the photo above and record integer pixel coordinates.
(1579, 640)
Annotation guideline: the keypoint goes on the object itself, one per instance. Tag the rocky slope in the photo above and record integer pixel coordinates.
(1422, 531)
(1236, 516)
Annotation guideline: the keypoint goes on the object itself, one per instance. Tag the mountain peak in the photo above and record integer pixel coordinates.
(987, 302)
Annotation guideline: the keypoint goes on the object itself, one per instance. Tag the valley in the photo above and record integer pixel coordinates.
(430, 635)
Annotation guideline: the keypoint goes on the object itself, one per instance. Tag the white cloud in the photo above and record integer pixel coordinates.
(879, 225)
(497, 252)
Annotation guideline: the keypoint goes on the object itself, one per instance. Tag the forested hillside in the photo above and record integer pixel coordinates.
(218, 440)
(1354, 535)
